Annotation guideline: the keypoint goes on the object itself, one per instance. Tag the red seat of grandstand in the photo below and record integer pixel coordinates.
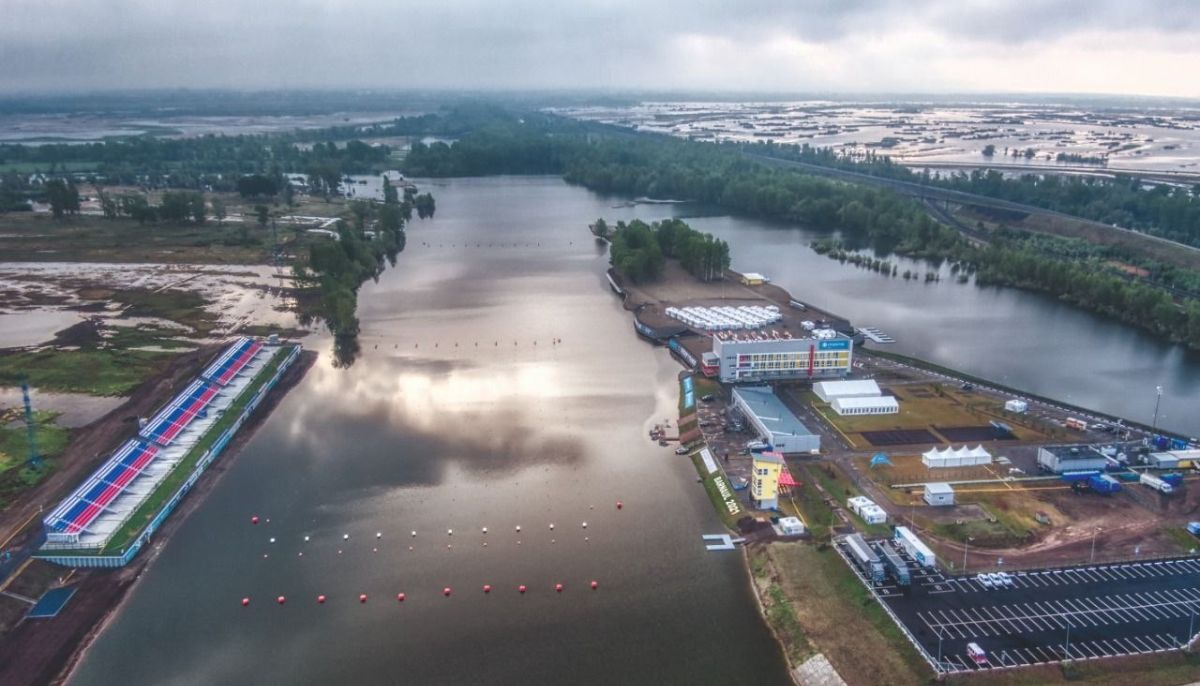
(232, 361)
(86, 504)
(176, 416)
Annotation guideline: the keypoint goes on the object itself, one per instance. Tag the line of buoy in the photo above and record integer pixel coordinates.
(400, 597)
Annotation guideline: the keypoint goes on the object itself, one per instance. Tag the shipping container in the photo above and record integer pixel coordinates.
(915, 548)
(864, 557)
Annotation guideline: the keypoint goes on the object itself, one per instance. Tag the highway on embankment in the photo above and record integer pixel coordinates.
(946, 195)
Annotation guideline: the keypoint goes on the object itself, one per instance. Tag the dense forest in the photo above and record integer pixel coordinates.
(639, 250)
(1172, 212)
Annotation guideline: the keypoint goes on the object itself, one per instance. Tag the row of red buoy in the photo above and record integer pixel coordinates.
(400, 597)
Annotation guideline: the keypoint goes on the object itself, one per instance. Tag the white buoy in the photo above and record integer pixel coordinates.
(449, 532)
(345, 537)
(485, 529)
(414, 534)
(306, 539)
(378, 534)
(585, 525)
(552, 526)
(518, 527)
(272, 539)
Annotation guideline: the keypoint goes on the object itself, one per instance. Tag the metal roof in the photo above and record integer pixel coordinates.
(770, 411)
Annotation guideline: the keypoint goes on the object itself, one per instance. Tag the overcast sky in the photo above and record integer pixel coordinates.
(1147, 47)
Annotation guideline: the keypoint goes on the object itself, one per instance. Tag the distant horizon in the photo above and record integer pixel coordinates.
(598, 95)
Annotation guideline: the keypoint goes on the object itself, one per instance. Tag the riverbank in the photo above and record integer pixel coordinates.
(815, 606)
(44, 652)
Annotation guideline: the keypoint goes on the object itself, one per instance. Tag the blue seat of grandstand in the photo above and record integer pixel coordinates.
(175, 417)
(86, 504)
(232, 361)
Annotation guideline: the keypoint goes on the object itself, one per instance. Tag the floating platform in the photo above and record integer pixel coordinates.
(876, 335)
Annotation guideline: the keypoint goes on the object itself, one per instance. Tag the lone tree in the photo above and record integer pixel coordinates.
(63, 197)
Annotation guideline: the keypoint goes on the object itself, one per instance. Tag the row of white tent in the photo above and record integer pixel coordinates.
(936, 458)
(726, 318)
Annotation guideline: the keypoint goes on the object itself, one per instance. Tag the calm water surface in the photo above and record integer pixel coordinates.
(421, 434)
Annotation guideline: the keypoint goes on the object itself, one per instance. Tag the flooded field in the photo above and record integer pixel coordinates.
(42, 298)
(1160, 140)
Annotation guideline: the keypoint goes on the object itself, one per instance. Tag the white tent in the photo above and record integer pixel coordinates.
(936, 458)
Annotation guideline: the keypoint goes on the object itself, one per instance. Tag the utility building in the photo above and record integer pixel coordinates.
(939, 494)
(1070, 458)
(828, 391)
(851, 407)
(773, 421)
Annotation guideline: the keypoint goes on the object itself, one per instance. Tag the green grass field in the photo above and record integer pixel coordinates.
(15, 474)
(94, 371)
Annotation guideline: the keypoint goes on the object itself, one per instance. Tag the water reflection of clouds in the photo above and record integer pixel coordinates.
(394, 421)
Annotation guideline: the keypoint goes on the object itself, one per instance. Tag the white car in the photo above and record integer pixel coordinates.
(681, 451)
(985, 580)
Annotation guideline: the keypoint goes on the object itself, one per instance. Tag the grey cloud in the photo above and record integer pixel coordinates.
(494, 43)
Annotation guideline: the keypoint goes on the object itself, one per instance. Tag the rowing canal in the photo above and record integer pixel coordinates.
(452, 418)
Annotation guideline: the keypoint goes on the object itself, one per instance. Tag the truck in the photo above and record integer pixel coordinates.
(1076, 424)
(1156, 483)
(864, 557)
(1103, 483)
(914, 546)
(1175, 479)
(897, 568)
(1082, 475)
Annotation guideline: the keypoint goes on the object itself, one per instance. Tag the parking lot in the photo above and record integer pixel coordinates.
(1045, 616)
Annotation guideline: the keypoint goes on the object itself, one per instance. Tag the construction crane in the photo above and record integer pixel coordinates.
(35, 458)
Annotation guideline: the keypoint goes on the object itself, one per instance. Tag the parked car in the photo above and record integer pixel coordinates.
(985, 580)
(707, 398)
(977, 654)
(681, 450)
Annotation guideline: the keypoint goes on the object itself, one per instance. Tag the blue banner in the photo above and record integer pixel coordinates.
(838, 344)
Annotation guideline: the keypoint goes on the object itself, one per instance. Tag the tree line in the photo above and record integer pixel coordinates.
(335, 269)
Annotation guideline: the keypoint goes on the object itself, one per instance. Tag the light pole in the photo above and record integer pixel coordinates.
(966, 547)
(1092, 558)
(1157, 400)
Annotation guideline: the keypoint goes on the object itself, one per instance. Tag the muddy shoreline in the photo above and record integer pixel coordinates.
(47, 652)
